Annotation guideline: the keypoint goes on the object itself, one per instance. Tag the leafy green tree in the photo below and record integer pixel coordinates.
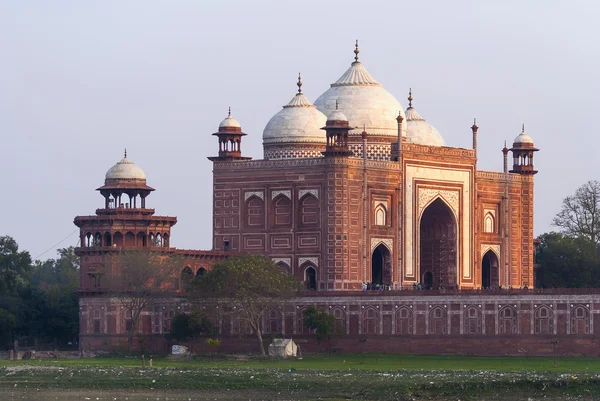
(580, 213)
(567, 261)
(322, 322)
(14, 266)
(186, 327)
(8, 324)
(251, 283)
(137, 279)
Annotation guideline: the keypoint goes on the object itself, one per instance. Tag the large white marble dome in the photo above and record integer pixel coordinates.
(364, 101)
(419, 131)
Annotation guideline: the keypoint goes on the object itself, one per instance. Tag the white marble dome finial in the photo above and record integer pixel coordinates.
(356, 51)
(410, 98)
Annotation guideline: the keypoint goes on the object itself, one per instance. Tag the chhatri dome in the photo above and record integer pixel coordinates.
(125, 170)
(230, 122)
(523, 137)
(295, 131)
(419, 131)
(363, 100)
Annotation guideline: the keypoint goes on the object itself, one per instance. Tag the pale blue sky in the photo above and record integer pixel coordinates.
(81, 80)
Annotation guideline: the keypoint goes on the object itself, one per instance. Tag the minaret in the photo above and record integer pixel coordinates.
(474, 128)
(336, 129)
(397, 147)
(230, 140)
(523, 150)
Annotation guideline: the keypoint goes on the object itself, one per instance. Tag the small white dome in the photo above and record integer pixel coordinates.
(419, 131)
(337, 115)
(523, 137)
(299, 121)
(363, 101)
(125, 170)
(230, 122)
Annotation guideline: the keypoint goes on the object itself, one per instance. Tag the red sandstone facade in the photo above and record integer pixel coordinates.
(339, 208)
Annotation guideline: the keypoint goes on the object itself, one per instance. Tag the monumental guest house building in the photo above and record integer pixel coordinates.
(354, 190)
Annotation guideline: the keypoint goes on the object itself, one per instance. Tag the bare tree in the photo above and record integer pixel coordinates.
(251, 283)
(138, 279)
(579, 216)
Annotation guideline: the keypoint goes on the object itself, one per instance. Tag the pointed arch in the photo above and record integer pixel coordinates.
(508, 323)
(438, 320)
(472, 320)
(129, 239)
(255, 212)
(381, 266)
(544, 320)
(438, 243)
(118, 239)
(272, 321)
(200, 272)
(404, 320)
(489, 223)
(370, 320)
(308, 211)
(310, 277)
(381, 215)
(281, 210)
(580, 320)
(340, 319)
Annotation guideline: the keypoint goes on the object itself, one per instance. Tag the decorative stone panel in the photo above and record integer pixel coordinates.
(248, 194)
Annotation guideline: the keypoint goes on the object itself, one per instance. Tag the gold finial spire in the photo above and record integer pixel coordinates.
(523, 128)
(299, 83)
(410, 98)
(336, 104)
(474, 127)
(229, 112)
(125, 152)
(356, 51)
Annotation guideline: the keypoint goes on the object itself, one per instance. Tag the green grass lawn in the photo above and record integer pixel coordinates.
(380, 377)
(375, 362)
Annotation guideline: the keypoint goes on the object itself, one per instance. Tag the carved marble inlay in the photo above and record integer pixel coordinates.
(277, 192)
(494, 247)
(314, 192)
(312, 259)
(388, 242)
(248, 194)
(426, 195)
(287, 261)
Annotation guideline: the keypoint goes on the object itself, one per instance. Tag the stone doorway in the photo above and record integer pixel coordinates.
(381, 266)
(438, 254)
(490, 273)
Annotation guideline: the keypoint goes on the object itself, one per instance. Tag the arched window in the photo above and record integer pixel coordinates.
(580, 320)
(472, 320)
(370, 321)
(98, 239)
(544, 320)
(438, 323)
(158, 240)
(118, 239)
(168, 315)
(507, 321)
(255, 212)
(129, 239)
(488, 224)
(107, 240)
(310, 278)
(282, 211)
(309, 211)
(380, 215)
(166, 240)
(404, 320)
(200, 272)
(272, 321)
(340, 320)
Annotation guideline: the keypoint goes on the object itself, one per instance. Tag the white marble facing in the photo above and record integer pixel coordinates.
(229, 122)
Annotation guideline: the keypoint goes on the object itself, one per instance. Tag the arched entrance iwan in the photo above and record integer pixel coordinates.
(437, 254)
(381, 266)
(490, 274)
